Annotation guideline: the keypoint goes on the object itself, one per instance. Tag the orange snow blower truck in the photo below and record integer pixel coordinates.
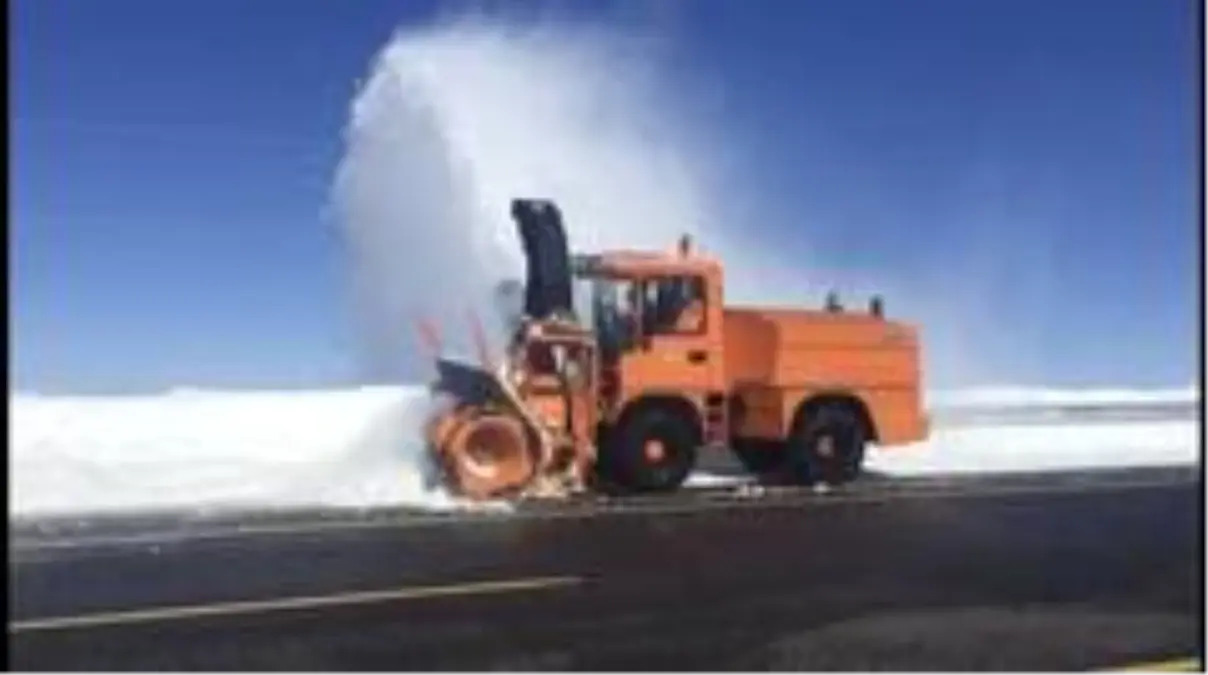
(654, 368)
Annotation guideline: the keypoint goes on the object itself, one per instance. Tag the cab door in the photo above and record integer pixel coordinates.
(678, 349)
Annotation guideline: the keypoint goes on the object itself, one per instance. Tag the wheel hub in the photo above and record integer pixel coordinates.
(826, 447)
(654, 450)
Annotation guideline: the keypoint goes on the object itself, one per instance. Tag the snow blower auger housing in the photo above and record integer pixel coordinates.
(657, 369)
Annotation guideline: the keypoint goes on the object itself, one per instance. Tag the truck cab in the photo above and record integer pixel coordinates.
(800, 391)
(659, 323)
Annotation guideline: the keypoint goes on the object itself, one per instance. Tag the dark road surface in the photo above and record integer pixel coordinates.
(1080, 571)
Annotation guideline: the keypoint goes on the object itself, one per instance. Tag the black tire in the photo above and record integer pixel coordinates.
(759, 458)
(605, 476)
(827, 445)
(624, 463)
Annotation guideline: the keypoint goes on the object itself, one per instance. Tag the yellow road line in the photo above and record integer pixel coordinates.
(135, 616)
(1187, 665)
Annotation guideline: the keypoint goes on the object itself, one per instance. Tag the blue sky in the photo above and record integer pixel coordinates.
(171, 163)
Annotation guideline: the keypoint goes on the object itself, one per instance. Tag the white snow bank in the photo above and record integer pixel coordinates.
(210, 450)
(1008, 396)
(1010, 448)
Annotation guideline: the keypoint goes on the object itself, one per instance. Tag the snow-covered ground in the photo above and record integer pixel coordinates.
(1018, 447)
(212, 450)
(1011, 397)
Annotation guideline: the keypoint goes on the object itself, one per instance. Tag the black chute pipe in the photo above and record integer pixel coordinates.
(547, 290)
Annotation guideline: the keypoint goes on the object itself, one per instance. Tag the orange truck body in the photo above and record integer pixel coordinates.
(776, 359)
(767, 362)
(810, 386)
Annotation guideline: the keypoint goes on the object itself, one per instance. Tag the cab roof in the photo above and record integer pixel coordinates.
(632, 263)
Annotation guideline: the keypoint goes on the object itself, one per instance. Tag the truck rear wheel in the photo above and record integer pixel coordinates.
(827, 445)
(650, 450)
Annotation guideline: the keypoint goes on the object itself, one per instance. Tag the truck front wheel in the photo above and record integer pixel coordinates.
(650, 450)
(827, 445)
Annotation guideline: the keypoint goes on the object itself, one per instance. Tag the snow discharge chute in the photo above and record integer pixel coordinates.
(548, 288)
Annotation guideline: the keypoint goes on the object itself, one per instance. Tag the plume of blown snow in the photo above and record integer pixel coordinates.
(457, 119)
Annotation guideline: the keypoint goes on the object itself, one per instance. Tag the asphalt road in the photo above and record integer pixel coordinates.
(1076, 571)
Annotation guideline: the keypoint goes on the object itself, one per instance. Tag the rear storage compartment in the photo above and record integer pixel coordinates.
(777, 358)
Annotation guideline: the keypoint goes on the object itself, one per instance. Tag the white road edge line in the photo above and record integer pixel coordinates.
(134, 616)
(836, 499)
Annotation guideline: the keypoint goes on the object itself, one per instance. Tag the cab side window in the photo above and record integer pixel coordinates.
(674, 305)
